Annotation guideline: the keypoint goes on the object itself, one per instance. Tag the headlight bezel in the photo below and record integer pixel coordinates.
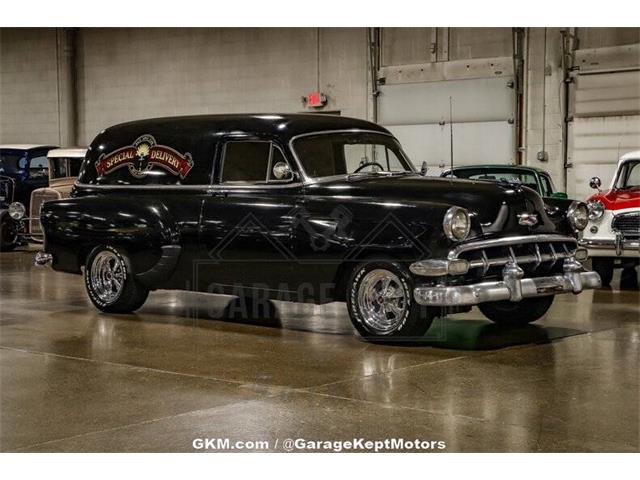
(451, 230)
(596, 209)
(572, 213)
(17, 211)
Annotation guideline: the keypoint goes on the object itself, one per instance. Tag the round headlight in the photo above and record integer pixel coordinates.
(596, 209)
(456, 223)
(578, 215)
(17, 210)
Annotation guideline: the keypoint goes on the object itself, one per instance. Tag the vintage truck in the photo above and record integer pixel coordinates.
(309, 208)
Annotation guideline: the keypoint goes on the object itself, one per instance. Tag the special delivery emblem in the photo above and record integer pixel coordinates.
(143, 156)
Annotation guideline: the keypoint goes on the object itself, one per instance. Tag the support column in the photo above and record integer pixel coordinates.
(67, 97)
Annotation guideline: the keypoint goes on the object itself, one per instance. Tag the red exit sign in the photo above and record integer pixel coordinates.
(316, 99)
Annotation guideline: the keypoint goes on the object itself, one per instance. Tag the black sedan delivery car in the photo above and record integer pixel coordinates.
(308, 208)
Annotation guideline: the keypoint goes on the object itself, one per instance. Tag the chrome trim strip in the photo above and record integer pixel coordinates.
(205, 188)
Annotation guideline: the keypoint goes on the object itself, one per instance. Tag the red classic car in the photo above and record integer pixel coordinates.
(613, 233)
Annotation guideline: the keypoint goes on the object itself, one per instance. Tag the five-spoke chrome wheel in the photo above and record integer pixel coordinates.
(107, 276)
(382, 301)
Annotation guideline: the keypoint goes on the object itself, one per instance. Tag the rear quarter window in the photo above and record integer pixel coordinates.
(148, 158)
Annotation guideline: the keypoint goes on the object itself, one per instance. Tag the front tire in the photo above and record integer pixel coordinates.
(110, 281)
(603, 266)
(516, 313)
(8, 234)
(381, 304)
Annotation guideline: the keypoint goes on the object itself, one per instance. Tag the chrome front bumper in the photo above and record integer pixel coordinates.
(513, 287)
(620, 246)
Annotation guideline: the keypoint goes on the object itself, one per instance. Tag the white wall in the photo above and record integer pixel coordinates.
(28, 86)
(126, 74)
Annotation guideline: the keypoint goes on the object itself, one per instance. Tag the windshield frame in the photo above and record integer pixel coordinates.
(308, 179)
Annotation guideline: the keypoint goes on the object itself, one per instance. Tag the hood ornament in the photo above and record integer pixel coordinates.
(528, 219)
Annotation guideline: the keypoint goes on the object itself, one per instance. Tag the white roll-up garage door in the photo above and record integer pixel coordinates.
(605, 106)
(417, 112)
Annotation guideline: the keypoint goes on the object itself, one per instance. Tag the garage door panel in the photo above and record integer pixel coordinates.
(596, 144)
(474, 144)
(488, 99)
(607, 93)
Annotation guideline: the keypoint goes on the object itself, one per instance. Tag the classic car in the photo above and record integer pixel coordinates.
(64, 166)
(308, 208)
(613, 234)
(557, 203)
(23, 168)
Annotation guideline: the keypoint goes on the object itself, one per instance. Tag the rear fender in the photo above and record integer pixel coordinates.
(74, 226)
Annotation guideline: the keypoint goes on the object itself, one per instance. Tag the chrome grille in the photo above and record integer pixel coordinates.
(535, 253)
(38, 197)
(627, 223)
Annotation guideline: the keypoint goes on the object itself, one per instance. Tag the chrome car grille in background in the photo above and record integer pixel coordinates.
(627, 223)
(38, 197)
(534, 254)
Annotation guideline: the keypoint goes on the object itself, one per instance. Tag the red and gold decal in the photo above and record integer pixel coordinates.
(143, 156)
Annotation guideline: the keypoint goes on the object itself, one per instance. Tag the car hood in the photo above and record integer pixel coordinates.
(619, 199)
(485, 199)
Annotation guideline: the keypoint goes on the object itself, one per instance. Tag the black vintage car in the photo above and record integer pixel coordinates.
(308, 208)
(23, 169)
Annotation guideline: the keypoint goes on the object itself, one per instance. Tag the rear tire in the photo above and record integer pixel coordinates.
(381, 304)
(516, 313)
(603, 266)
(8, 234)
(110, 281)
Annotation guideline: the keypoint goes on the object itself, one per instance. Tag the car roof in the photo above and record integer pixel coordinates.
(500, 166)
(283, 125)
(630, 156)
(77, 152)
(25, 146)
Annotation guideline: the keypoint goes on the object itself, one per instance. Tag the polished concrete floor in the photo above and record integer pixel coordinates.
(183, 367)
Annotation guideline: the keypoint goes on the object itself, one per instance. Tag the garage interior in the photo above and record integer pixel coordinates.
(186, 365)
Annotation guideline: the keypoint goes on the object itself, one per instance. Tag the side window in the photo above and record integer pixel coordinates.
(59, 168)
(39, 167)
(547, 186)
(245, 162)
(253, 162)
(74, 166)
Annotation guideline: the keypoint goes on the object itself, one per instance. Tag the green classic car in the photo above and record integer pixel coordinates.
(557, 203)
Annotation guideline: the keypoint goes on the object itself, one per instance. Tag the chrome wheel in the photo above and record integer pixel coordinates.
(107, 276)
(382, 301)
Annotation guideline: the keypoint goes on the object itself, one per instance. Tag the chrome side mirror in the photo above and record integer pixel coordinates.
(282, 171)
(595, 182)
(424, 168)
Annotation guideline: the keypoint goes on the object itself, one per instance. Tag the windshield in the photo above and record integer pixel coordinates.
(523, 177)
(12, 162)
(329, 154)
(629, 176)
